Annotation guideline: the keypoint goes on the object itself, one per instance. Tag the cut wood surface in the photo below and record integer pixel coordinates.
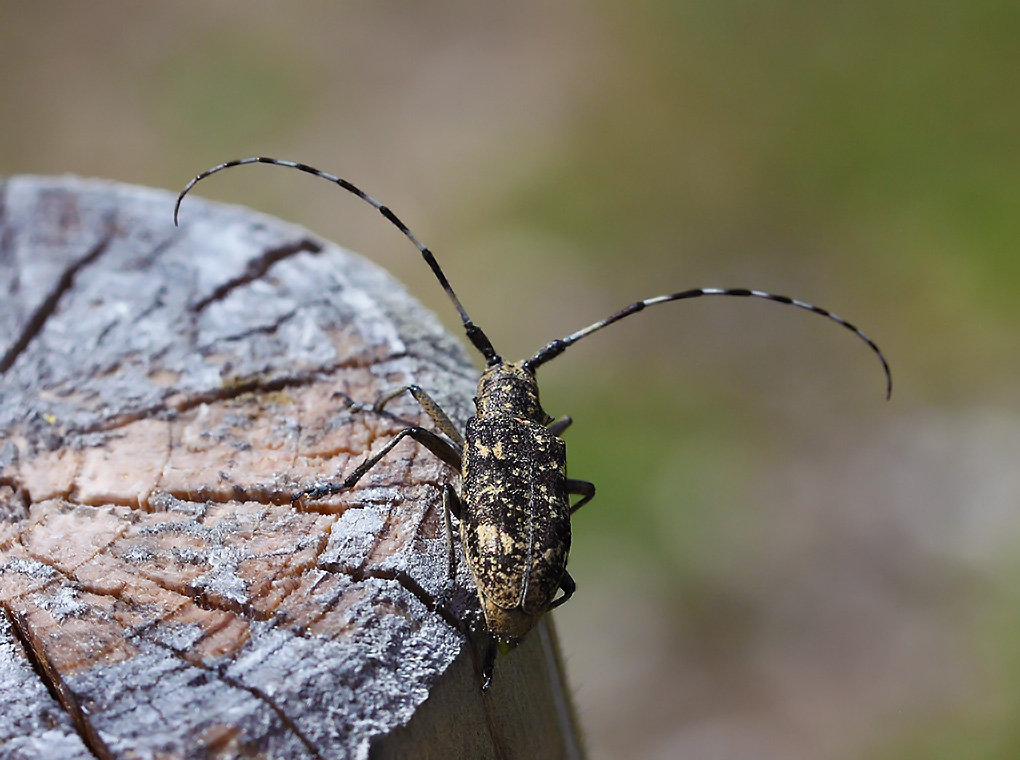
(163, 394)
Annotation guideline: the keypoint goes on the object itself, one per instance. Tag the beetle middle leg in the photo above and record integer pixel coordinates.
(581, 488)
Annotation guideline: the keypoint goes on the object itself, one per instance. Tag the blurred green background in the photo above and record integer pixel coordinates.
(779, 564)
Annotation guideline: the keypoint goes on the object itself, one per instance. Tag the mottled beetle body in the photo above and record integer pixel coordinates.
(514, 509)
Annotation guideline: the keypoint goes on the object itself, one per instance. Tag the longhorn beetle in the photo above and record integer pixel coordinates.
(514, 507)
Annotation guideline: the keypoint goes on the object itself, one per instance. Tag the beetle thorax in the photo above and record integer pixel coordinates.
(510, 390)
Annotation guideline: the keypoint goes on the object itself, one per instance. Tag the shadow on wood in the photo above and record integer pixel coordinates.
(163, 393)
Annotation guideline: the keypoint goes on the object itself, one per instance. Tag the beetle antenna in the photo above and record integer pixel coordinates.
(475, 334)
(557, 347)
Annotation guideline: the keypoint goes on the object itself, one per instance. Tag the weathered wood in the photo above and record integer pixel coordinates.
(163, 393)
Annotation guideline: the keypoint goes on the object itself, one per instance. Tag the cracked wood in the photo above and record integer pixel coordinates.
(162, 395)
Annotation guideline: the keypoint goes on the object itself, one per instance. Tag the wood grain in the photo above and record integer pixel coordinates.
(163, 393)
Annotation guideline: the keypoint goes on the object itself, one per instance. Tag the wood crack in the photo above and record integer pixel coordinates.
(257, 267)
(51, 679)
(221, 674)
(49, 304)
(55, 685)
(233, 390)
(268, 329)
(414, 588)
(406, 582)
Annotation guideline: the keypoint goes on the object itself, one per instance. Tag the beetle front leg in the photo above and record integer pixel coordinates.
(427, 403)
(581, 488)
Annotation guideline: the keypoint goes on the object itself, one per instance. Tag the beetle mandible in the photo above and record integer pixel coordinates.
(514, 508)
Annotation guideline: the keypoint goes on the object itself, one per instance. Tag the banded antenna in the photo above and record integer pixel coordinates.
(553, 349)
(475, 334)
(557, 347)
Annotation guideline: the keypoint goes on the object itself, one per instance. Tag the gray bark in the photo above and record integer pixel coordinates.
(163, 393)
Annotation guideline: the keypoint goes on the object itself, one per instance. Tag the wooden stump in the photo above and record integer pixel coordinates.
(163, 394)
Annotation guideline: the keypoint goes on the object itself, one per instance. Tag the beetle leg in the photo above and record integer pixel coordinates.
(560, 425)
(490, 663)
(438, 446)
(582, 488)
(451, 505)
(568, 587)
(432, 409)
